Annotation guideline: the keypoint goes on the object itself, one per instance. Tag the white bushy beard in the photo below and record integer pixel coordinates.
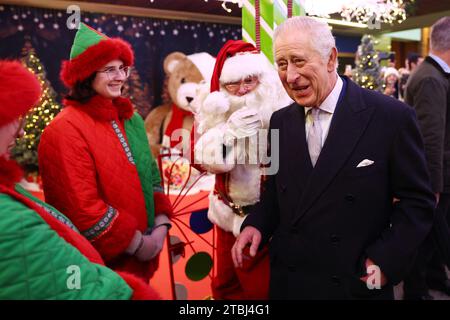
(262, 98)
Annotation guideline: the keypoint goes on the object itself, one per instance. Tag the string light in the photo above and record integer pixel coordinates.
(361, 11)
(25, 151)
(240, 3)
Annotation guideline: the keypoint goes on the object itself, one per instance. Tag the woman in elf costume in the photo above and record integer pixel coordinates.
(42, 254)
(95, 161)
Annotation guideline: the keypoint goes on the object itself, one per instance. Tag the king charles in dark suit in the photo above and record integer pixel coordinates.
(351, 201)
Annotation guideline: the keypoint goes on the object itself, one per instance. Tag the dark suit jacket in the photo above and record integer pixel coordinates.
(325, 221)
(427, 91)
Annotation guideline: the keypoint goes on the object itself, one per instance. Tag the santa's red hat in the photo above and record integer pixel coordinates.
(236, 60)
(19, 91)
(91, 50)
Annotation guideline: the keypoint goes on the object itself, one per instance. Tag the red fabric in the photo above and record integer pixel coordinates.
(176, 122)
(162, 204)
(251, 282)
(85, 170)
(20, 91)
(141, 291)
(117, 238)
(229, 49)
(94, 58)
(10, 172)
(191, 151)
(103, 109)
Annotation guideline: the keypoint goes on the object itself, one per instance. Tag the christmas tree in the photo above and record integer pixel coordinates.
(138, 93)
(367, 72)
(25, 150)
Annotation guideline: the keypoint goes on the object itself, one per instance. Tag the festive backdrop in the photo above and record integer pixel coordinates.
(42, 40)
(151, 38)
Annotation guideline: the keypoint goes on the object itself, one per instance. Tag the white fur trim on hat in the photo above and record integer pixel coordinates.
(391, 71)
(241, 65)
(204, 63)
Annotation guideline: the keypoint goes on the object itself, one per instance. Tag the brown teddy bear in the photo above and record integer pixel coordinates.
(185, 73)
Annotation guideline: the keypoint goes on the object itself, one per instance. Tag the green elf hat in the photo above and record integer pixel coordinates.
(91, 50)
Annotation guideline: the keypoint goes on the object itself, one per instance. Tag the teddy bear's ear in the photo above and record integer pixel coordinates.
(172, 60)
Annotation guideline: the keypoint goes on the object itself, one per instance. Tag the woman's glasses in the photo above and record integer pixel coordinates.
(112, 72)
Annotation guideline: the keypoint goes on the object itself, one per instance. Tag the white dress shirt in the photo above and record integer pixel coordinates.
(327, 110)
(440, 62)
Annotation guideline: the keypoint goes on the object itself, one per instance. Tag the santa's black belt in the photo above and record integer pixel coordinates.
(241, 211)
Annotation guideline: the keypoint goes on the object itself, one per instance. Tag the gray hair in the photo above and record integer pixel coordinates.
(319, 33)
(440, 35)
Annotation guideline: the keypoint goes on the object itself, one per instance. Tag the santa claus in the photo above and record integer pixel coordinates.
(245, 91)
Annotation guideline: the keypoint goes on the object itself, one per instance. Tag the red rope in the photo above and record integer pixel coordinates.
(289, 7)
(257, 26)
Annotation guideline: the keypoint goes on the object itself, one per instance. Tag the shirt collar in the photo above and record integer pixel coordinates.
(329, 104)
(440, 62)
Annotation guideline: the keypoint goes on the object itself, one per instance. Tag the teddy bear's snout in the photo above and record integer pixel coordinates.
(189, 99)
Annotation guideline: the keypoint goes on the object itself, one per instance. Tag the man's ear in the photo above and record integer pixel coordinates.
(332, 60)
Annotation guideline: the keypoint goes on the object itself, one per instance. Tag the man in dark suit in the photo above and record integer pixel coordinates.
(428, 91)
(345, 153)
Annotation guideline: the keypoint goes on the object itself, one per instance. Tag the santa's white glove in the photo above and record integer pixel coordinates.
(242, 123)
(208, 152)
(208, 149)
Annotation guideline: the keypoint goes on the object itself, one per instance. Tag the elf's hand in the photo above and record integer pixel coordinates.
(154, 242)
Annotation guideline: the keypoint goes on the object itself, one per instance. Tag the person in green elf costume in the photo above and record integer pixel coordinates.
(42, 254)
(95, 160)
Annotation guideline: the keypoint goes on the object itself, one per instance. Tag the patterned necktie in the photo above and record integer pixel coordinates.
(314, 136)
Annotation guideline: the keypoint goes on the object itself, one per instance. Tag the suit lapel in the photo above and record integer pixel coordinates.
(347, 126)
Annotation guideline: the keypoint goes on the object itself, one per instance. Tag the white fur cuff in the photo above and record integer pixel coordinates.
(216, 103)
(237, 223)
(220, 214)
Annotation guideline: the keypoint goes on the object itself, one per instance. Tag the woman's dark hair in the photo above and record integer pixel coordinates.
(82, 91)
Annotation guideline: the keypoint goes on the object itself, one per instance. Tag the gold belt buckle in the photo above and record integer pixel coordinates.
(237, 209)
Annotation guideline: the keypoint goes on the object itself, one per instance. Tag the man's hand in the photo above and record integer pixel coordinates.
(250, 235)
(383, 279)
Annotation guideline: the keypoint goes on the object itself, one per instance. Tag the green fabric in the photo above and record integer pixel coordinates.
(85, 38)
(53, 211)
(34, 261)
(145, 164)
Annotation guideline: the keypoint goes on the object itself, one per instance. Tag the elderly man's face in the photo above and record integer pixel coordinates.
(307, 78)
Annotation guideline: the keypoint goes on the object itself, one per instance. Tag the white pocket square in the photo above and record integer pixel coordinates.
(365, 163)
